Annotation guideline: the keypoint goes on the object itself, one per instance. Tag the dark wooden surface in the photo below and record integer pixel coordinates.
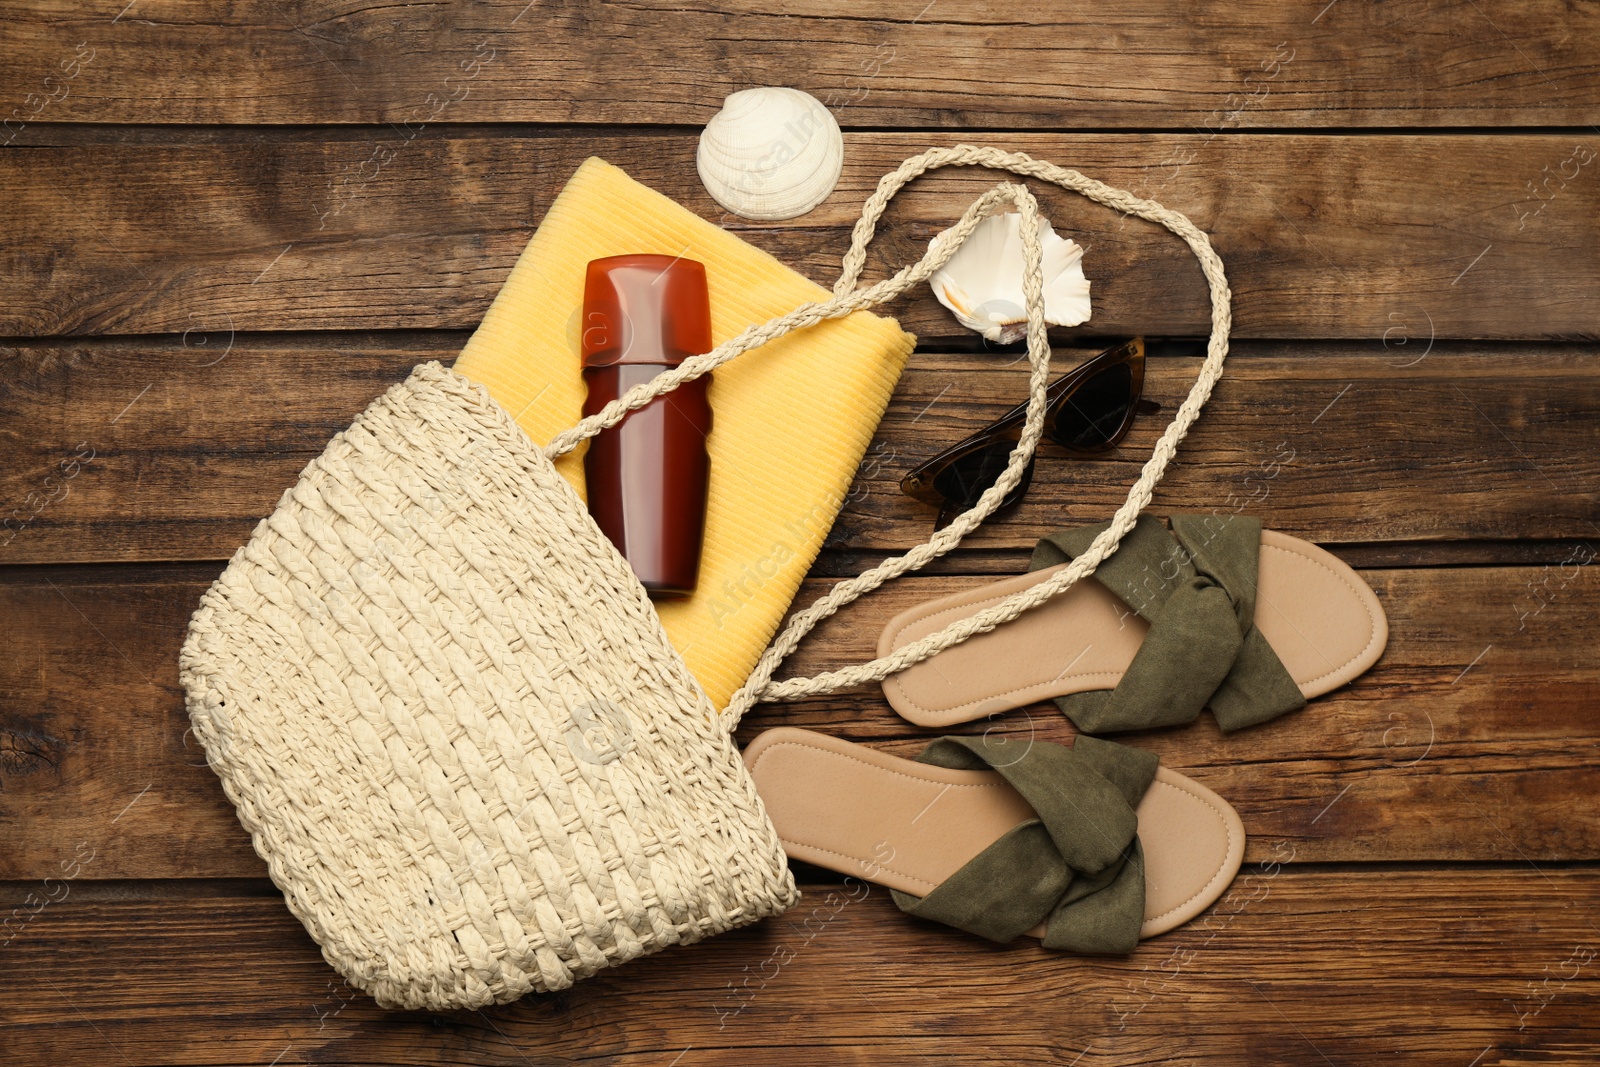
(229, 227)
(1334, 235)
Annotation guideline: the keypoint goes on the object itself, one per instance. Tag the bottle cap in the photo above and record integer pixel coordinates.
(644, 309)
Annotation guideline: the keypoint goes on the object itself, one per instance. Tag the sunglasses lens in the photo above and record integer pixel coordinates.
(967, 477)
(1091, 414)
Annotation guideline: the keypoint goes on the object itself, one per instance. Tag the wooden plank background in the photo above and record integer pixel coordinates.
(1326, 236)
(906, 63)
(187, 442)
(229, 227)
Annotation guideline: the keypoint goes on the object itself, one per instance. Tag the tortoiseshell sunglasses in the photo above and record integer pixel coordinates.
(1088, 410)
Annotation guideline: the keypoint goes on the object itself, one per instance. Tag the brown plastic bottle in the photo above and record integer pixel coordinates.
(643, 314)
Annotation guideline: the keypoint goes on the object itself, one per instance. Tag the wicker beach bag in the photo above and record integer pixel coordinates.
(450, 718)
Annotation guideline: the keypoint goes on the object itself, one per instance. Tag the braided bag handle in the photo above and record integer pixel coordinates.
(847, 299)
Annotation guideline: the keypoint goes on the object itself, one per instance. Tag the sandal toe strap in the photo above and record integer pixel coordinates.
(1196, 586)
(1077, 868)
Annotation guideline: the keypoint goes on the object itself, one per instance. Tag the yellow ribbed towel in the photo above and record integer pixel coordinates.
(791, 420)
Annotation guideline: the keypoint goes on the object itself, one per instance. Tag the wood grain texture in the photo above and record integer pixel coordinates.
(1334, 236)
(1296, 966)
(900, 63)
(181, 445)
(1472, 739)
(229, 227)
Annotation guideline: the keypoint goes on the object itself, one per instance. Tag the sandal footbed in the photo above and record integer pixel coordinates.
(1324, 622)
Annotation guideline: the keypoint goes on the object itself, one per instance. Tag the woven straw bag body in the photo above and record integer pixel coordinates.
(454, 726)
(450, 718)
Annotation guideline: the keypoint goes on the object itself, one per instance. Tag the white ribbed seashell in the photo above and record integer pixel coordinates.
(982, 283)
(770, 153)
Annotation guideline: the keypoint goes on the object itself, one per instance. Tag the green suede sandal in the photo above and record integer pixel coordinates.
(1089, 847)
(1215, 612)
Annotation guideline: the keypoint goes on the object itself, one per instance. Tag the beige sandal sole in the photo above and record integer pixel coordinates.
(909, 825)
(1324, 622)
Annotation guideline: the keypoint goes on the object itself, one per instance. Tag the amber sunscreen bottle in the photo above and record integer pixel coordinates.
(644, 314)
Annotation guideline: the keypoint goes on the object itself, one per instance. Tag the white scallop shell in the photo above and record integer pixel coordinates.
(770, 153)
(982, 283)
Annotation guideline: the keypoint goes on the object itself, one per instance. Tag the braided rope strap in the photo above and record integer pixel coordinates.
(847, 299)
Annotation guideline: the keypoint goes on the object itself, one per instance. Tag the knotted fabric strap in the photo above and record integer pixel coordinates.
(1077, 868)
(1196, 586)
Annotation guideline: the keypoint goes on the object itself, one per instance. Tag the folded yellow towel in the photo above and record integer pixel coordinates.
(791, 420)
